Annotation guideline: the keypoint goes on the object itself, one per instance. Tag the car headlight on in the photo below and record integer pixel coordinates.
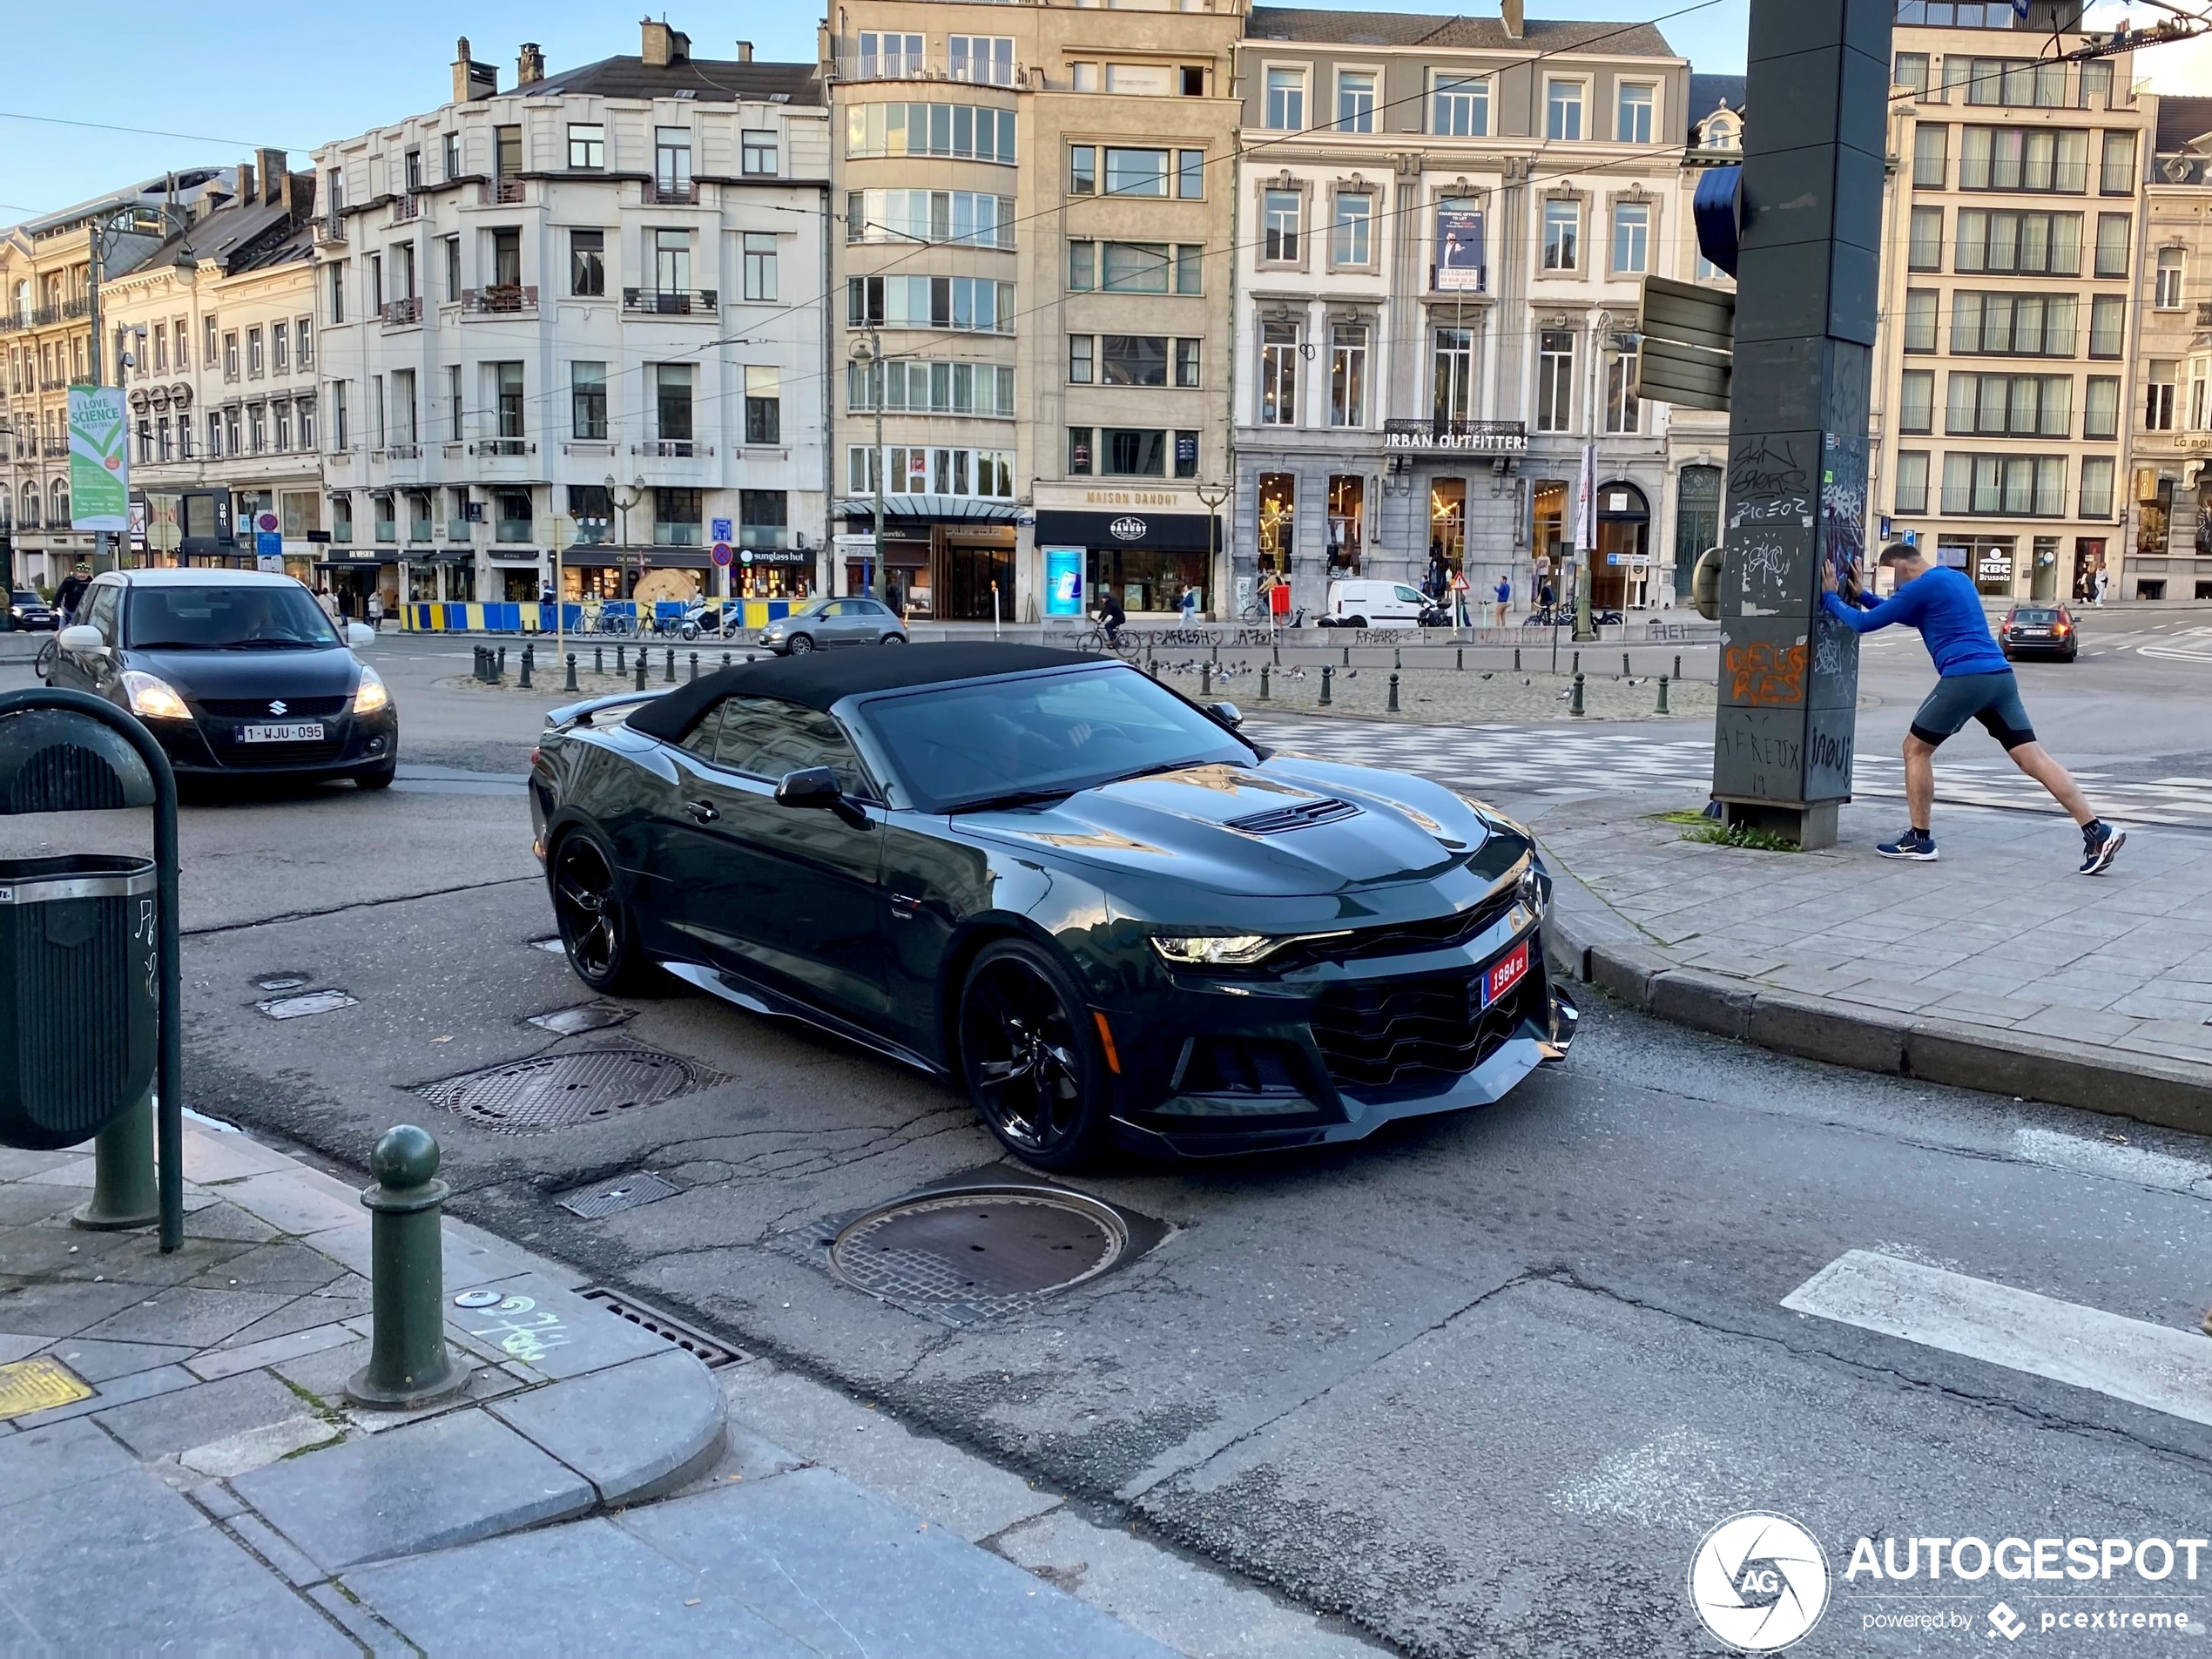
(153, 698)
(1213, 950)
(371, 695)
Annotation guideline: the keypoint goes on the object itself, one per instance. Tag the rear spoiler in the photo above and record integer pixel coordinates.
(581, 713)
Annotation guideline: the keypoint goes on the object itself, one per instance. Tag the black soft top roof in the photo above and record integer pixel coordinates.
(820, 678)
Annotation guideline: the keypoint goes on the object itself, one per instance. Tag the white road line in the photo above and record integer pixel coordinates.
(2132, 1359)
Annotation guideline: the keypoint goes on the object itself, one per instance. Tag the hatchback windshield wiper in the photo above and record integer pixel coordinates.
(170, 644)
(1018, 798)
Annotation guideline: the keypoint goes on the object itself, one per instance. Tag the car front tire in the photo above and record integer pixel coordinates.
(798, 644)
(381, 779)
(598, 931)
(1353, 621)
(892, 639)
(1030, 1053)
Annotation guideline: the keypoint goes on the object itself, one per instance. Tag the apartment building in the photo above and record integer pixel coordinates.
(46, 277)
(1032, 259)
(2002, 374)
(585, 315)
(219, 324)
(1443, 230)
(2170, 471)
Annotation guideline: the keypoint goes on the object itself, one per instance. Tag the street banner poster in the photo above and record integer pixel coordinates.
(1459, 250)
(100, 471)
(1063, 582)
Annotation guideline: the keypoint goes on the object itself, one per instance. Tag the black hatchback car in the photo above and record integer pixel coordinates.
(28, 611)
(237, 673)
(2039, 631)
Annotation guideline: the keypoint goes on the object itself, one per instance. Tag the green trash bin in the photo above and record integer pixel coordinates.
(79, 995)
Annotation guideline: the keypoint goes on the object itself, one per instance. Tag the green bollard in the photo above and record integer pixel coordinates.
(1263, 682)
(672, 665)
(1664, 708)
(1575, 707)
(1328, 671)
(123, 1193)
(408, 1364)
(1393, 693)
(571, 685)
(641, 668)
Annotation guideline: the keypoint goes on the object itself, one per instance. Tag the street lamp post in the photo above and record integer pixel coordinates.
(623, 501)
(104, 234)
(869, 351)
(1213, 495)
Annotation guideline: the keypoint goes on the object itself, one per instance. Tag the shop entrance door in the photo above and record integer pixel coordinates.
(970, 572)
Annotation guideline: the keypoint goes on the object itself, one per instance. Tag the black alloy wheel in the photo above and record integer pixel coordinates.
(1030, 1058)
(892, 639)
(596, 929)
(799, 645)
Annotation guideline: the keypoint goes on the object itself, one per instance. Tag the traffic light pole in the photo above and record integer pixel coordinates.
(1806, 304)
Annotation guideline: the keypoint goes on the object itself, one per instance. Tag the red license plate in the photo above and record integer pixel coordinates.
(1506, 973)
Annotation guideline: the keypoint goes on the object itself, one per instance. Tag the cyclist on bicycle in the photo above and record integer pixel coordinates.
(1111, 616)
(70, 593)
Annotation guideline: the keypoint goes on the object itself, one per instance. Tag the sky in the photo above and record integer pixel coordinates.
(247, 73)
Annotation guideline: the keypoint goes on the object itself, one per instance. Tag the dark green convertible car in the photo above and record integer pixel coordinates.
(1109, 915)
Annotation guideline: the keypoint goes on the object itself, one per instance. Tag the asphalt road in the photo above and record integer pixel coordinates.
(1482, 1384)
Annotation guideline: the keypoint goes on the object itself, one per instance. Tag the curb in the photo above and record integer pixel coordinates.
(1591, 944)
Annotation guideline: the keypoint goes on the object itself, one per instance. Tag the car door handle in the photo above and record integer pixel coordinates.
(702, 812)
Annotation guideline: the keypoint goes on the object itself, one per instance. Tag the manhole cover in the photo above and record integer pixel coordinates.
(990, 1250)
(623, 1192)
(557, 1090)
(292, 1007)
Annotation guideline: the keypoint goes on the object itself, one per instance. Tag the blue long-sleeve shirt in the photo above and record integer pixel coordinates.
(1942, 603)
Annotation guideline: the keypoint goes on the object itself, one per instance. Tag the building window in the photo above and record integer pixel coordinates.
(1348, 374)
(1131, 453)
(1079, 445)
(449, 150)
(1136, 172)
(1278, 520)
(453, 403)
(2101, 406)
(959, 130)
(1188, 372)
(1632, 122)
(1352, 239)
(763, 404)
(763, 517)
(1279, 212)
(968, 218)
(1623, 411)
(1082, 169)
(1631, 238)
(2158, 394)
(2167, 296)
(1931, 156)
(1925, 250)
(1452, 364)
(1278, 361)
(672, 164)
(1080, 360)
(279, 346)
(2015, 486)
(1563, 111)
(2116, 176)
(2016, 325)
(1916, 406)
(2112, 245)
(1190, 267)
(2017, 406)
(230, 356)
(890, 57)
(1912, 481)
(2096, 487)
(2107, 325)
(2021, 159)
(983, 60)
(1459, 108)
(1910, 69)
(1286, 99)
(1083, 266)
(1355, 100)
(587, 146)
(677, 514)
(587, 262)
(507, 395)
(2026, 244)
(758, 155)
(1191, 175)
(1133, 359)
(759, 265)
(588, 401)
(673, 402)
(340, 439)
(1919, 320)
(1562, 230)
(1554, 380)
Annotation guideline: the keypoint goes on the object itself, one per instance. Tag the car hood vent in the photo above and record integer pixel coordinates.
(1281, 820)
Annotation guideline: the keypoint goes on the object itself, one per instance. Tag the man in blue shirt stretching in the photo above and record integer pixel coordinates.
(1974, 683)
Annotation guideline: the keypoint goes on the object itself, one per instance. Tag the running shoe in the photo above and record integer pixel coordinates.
(1912, 845)
(2101, 844)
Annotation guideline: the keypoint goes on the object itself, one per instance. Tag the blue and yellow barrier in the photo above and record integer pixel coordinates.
(441, 617)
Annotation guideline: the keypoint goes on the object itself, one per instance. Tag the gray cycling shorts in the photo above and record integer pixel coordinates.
(1994, 700)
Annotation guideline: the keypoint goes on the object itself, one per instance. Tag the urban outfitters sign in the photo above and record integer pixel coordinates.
(99, 469)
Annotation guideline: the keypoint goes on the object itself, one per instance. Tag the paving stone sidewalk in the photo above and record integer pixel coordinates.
(214, 1492)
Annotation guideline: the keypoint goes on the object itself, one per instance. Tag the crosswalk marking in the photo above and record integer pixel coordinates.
(2153, 1365)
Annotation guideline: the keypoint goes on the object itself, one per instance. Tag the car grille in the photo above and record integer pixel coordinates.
(256, 709)
(1407, 1032)
(250, 756)
(1398, 939)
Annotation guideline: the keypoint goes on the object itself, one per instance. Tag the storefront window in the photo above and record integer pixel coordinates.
(1348, 522)
(1697, 521)
(1148, 578)
(1447, 511)
(1621, 566)
(1278, 520)
(1548, 532)
(423, 583)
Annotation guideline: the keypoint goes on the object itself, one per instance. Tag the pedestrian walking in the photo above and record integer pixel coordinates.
(1973, 682)
(1502, 598)
(1189, 604)
(1459, 617)
(2101, 578)
(376, 613)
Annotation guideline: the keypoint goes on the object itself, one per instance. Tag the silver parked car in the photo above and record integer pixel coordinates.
(821, 624)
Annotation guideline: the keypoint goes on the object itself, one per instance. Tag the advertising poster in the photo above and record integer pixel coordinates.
(1063, 582)
(1459, 250)
(99, 472)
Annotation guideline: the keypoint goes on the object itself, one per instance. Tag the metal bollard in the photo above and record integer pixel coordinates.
(1625, 670)
(1677, 664)
(695, 664)
(1328, 673)
(672, 665)
(1577, 668)
(1205, 679)
(1216, 652)
(1152, 665)
(525, 681)
(621, 660)
(1461, 658)
(1396, 658)
(502, 662)
(1279, 656)
(641, 668)
(1393, 693)
(598, 659)
(408, 1364)
(571, 684)
(1516, 659)
(725, 659)
(1664, 708)
(1347, 656)
(1263, 670)
(1575, 707)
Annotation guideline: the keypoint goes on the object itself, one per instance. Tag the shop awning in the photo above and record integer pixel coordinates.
(973, 509)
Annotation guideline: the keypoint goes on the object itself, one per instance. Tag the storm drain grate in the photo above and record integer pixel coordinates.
(622, 1192)
(557, 1091)
(710, 1353)
(984, 1252)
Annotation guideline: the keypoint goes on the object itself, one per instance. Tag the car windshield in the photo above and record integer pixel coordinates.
(964, 746)
(2035, 615)
(812, 608)
(213, 618)
(22, 598)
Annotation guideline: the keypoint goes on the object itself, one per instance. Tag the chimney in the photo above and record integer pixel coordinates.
(471, 80)
(271, 163)
(744, 51)
(530, 66)
(1511, 10)
(245, 196)
(664, 45)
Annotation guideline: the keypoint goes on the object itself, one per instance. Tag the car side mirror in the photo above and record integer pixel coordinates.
(82, 640)
(359, 634)
(1227, 713)
(817, 786)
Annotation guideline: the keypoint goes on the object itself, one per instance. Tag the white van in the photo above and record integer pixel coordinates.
(1375, 605)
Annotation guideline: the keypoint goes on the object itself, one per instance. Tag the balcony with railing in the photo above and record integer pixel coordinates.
(398, 313)
(501, 299)
(672, 193)
(405, 207)
(671, 449)
(502, 446)
(679, 302)
(2204, 314)
(494, 192)
(330, 228)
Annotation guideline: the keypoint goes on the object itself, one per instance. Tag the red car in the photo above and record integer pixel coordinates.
(2039, 631)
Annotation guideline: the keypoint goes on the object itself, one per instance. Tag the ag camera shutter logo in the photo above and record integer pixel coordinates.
(1759, 1581)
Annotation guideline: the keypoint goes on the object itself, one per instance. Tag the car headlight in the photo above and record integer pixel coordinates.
(1213, 950)
(371, 695)
(153, 698)
(1535, 889)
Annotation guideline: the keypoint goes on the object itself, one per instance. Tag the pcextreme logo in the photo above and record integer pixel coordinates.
(1759, 1581)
